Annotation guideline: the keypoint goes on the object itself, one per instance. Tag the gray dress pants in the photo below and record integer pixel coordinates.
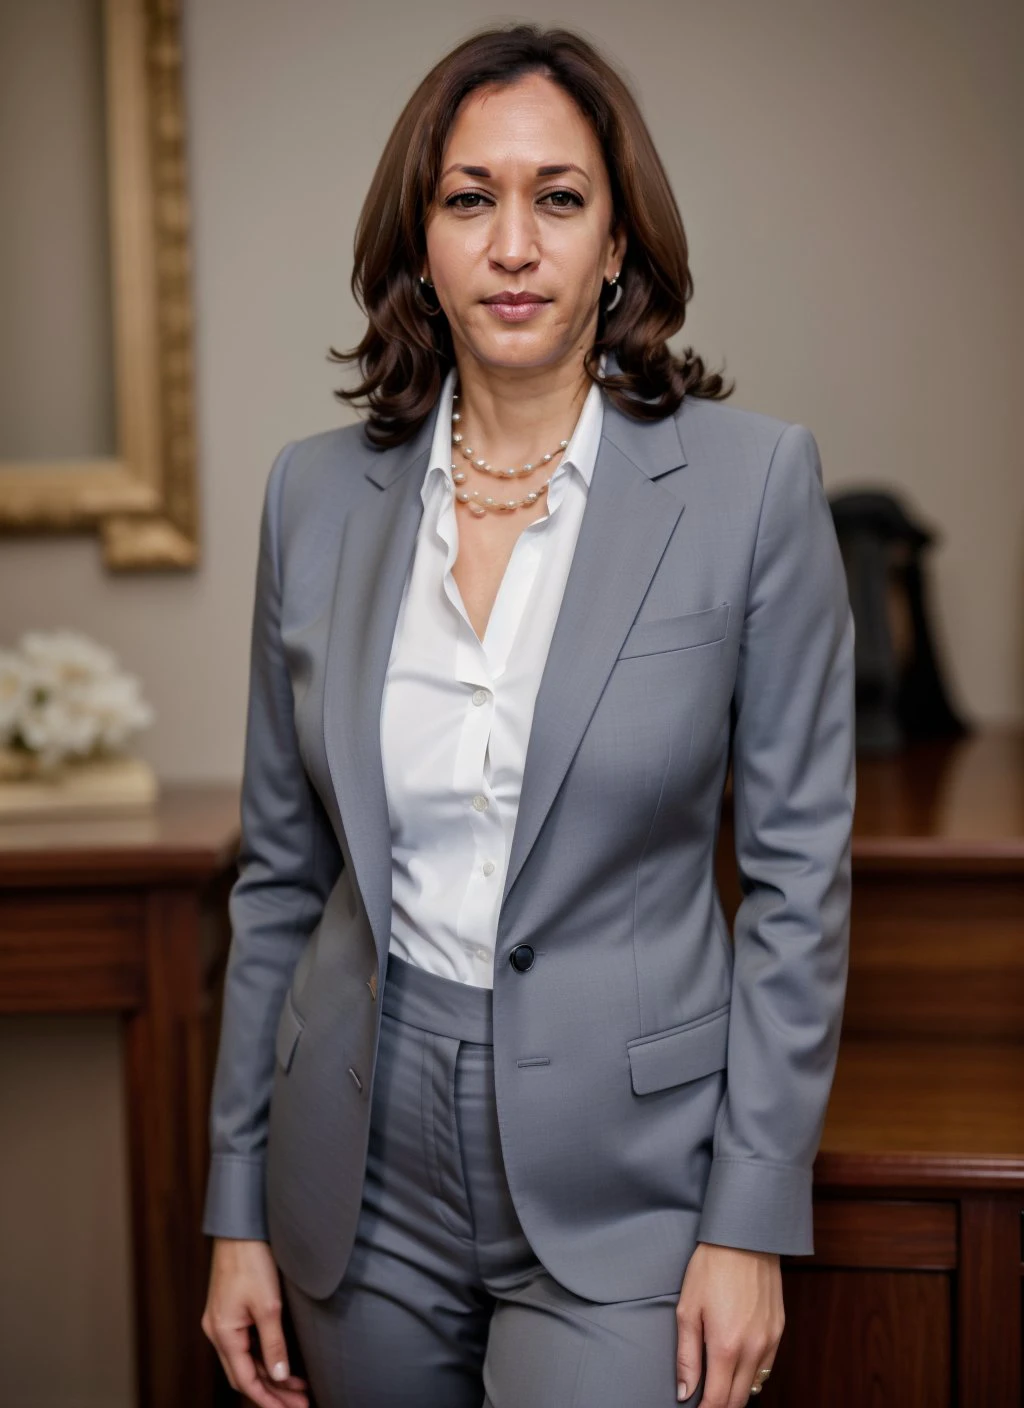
(443, 1303)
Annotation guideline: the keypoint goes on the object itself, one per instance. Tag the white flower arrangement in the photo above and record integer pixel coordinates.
(63, 697)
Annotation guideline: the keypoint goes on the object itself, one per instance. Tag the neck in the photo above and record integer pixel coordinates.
(513, 414)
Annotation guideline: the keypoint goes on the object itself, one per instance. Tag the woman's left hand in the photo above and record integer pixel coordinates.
(732, 1301)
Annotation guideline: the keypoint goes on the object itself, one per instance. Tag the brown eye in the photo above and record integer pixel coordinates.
(464, 195)
(574, 199)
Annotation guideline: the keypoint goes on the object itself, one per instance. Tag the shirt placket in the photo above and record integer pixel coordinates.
(479, 667)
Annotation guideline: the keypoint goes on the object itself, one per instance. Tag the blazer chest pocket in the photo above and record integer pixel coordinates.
(677, 632)
(289, 1029)
(681, 1053)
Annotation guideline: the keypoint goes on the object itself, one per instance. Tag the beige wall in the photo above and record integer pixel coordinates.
(850, 176)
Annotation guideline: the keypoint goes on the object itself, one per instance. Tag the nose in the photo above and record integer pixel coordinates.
(514, 233)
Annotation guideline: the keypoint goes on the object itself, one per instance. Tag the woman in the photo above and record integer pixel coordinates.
(520, 1122)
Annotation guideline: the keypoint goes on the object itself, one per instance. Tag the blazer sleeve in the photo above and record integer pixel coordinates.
(288, 862)
(793, 801)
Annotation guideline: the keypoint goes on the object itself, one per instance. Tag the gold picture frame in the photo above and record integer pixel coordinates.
(143, 500)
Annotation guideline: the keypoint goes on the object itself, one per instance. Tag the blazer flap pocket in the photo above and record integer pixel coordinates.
(680, 1054)
(677, 632)
(289, 1029)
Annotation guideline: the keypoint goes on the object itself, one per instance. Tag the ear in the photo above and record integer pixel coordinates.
(618, 253)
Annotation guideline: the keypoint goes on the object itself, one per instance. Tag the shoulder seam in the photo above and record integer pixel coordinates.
(277, 474)
(764, 494)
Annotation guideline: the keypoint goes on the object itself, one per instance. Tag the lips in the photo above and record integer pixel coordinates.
(515, 299)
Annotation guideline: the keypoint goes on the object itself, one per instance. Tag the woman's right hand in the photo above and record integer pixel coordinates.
(245, 1291)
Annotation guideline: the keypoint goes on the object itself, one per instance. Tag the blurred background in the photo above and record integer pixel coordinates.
(850, 180)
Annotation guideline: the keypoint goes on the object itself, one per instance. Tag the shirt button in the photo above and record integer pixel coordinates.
(488, 867)
(479, 803)
(483, 954)
(480, 696)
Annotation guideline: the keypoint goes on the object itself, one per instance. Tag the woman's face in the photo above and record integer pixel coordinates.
(501, 221)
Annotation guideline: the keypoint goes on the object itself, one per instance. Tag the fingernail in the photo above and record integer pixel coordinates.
(680, 1393)
(280, 1370)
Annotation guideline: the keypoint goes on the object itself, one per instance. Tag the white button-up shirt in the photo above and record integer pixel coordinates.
(456, 712)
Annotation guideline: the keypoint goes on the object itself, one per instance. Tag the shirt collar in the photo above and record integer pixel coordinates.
(581, 451)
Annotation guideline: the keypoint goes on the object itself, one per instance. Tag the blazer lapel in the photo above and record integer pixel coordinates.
(627, 523)
(374, 558)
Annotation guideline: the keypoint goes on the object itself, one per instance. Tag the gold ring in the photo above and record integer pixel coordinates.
(762, 1374)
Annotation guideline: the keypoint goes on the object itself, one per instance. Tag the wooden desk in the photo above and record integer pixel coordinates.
(130, 916)
(913, 1297)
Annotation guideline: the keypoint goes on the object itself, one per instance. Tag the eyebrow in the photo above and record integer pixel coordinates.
(482, 171)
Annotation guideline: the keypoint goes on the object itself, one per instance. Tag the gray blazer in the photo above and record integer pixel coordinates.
(658, 1081)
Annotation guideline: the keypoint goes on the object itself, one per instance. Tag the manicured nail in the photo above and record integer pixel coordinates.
(279, 1371)
(681, 1392)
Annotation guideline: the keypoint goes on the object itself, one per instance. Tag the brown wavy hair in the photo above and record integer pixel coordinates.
(405, 353)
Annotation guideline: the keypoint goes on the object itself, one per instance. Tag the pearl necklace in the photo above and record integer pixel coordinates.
(480, 503)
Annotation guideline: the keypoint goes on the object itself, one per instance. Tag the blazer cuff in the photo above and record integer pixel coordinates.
(236, 1198)
(760, 1207)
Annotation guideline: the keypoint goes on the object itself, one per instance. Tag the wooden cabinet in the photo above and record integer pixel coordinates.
(129, 916)
(913, 1295)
